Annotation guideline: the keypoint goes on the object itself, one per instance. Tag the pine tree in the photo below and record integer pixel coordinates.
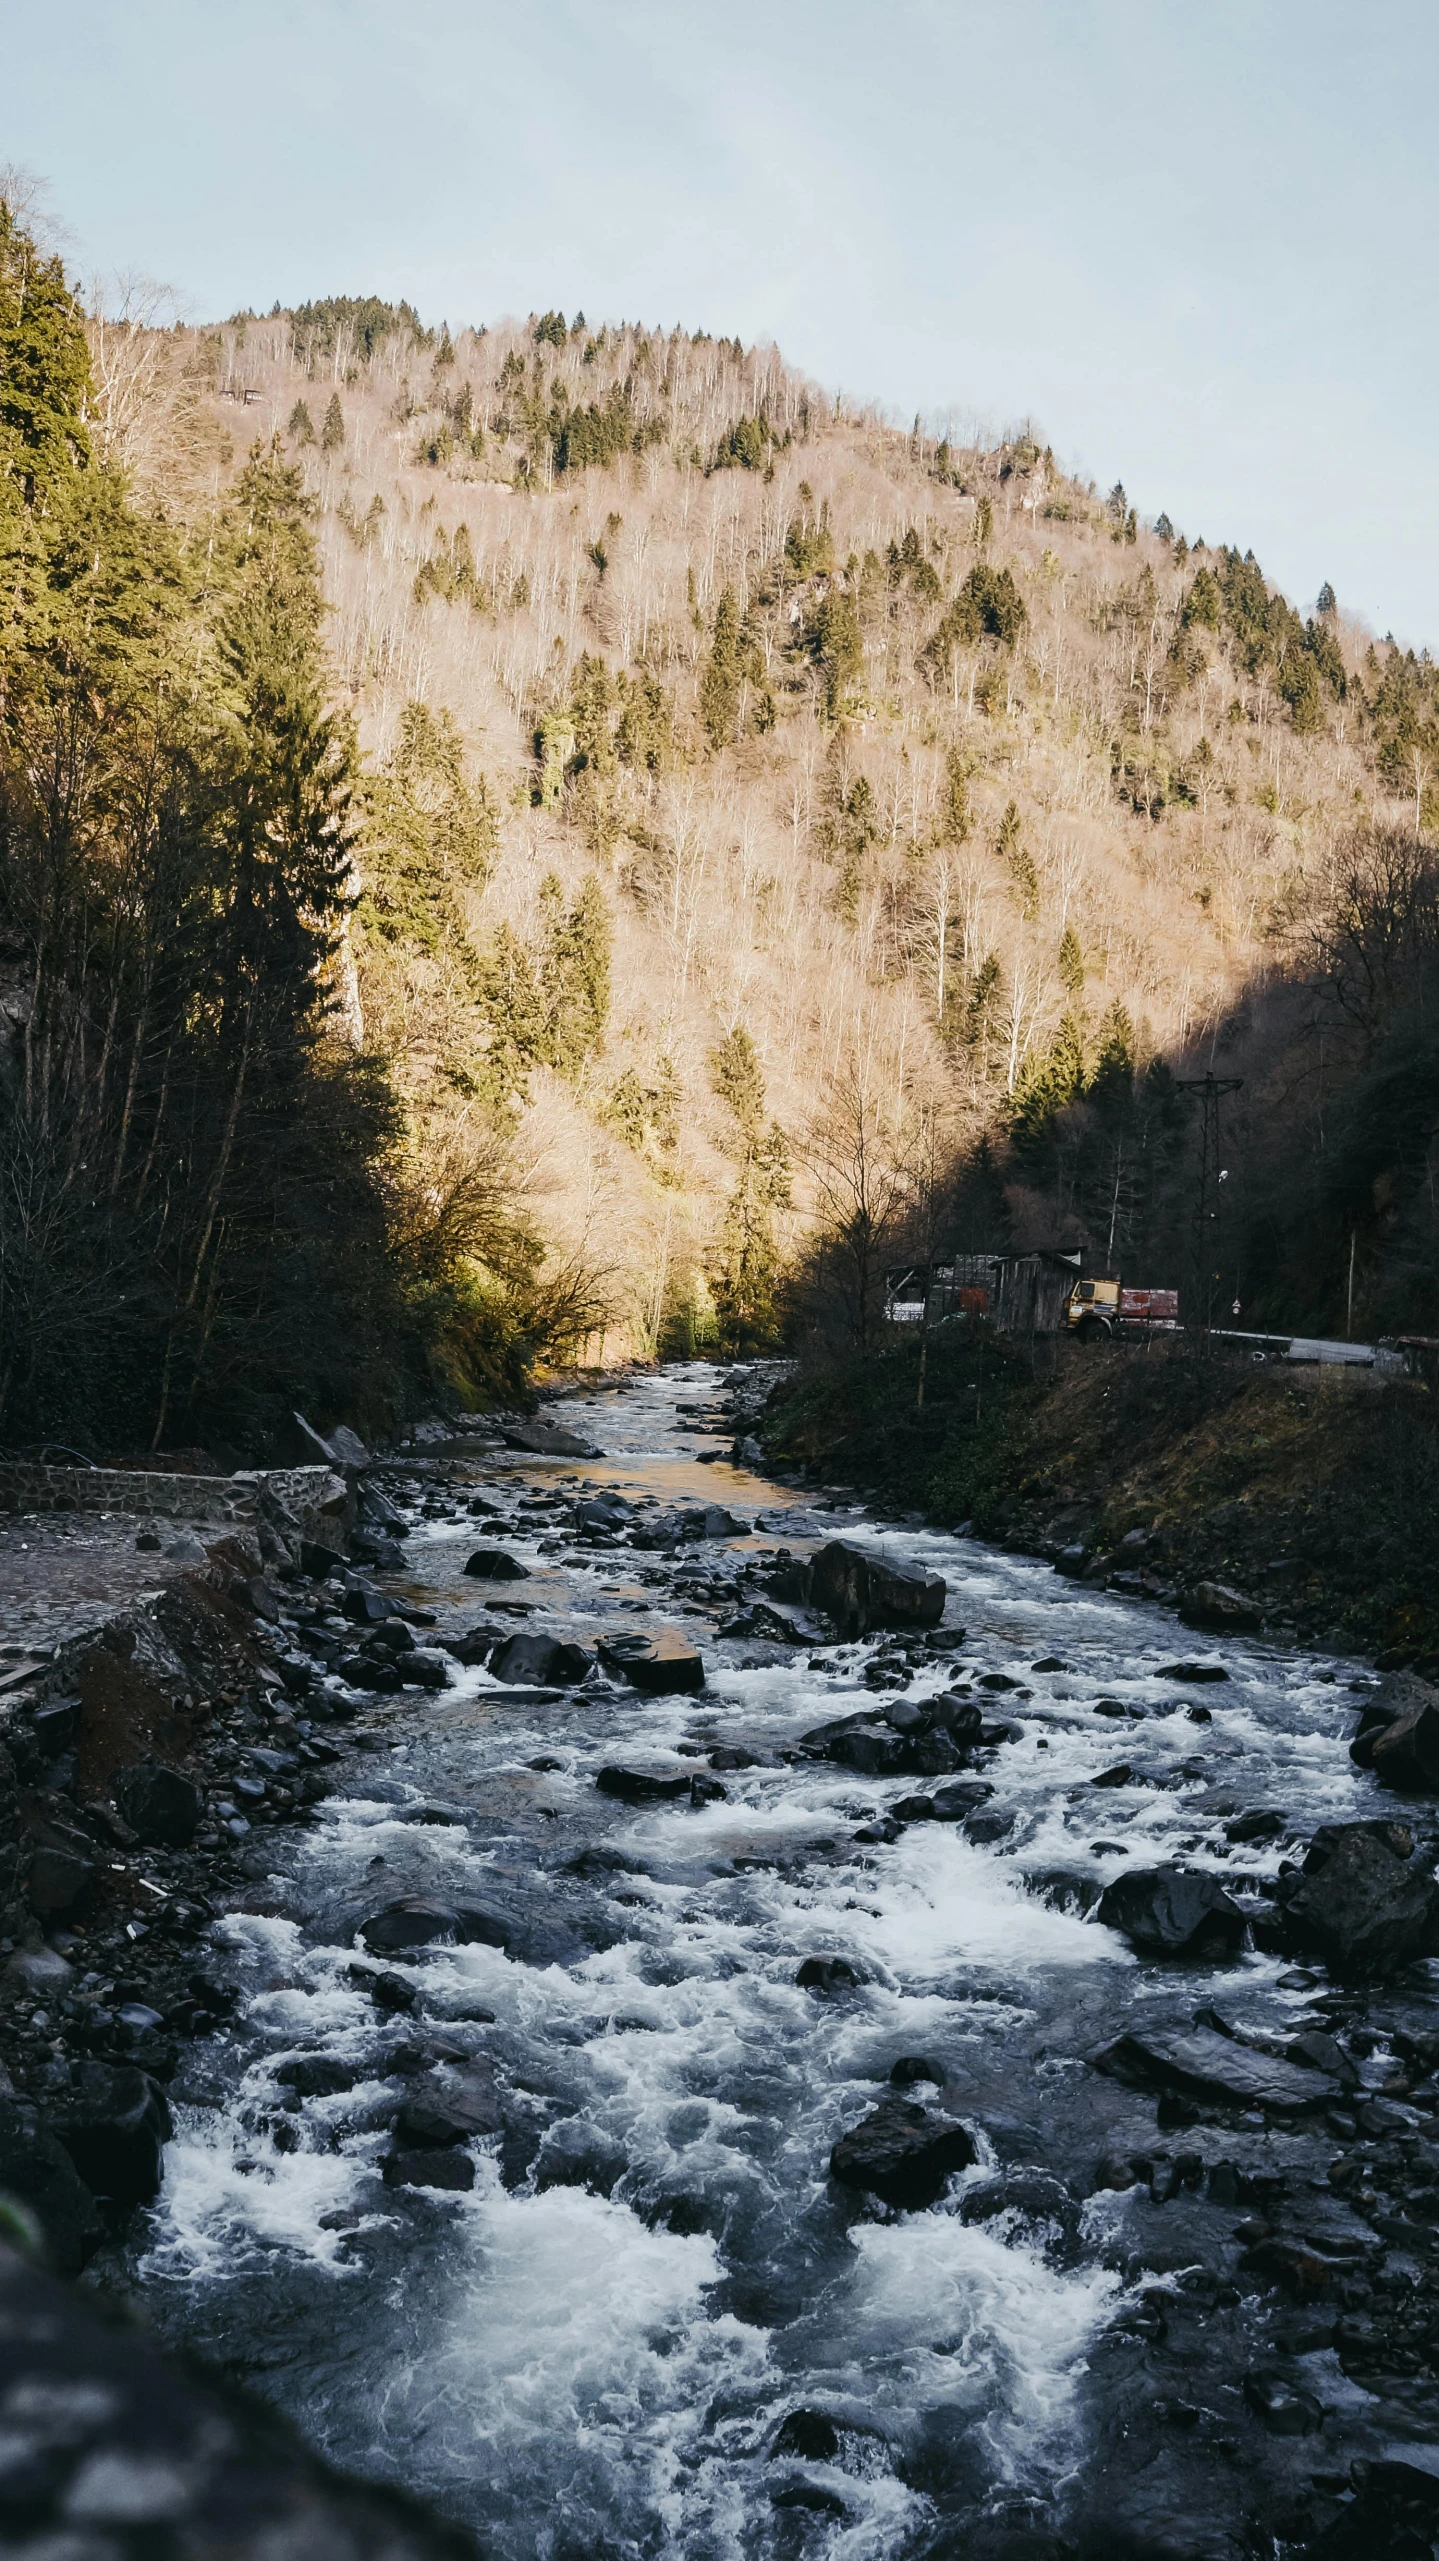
(956, 821)
(721, 678)
(1071, 964)
(332, 434)
(1019, 862)
(1327, 603)
(301, 429)
(746, 1264)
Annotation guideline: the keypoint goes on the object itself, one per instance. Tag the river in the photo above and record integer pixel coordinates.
(594, 2351)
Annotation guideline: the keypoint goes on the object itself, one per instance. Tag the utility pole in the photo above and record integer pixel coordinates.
(1211, 1173)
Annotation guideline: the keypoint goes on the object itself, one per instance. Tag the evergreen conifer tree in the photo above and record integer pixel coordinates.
(332, 434)
(301, 428)
(1071, 964)
(722, 675)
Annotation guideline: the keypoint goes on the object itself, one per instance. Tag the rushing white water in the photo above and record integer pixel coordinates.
(587, 2373)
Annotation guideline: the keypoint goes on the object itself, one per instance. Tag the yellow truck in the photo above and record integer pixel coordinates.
(1096, 1310)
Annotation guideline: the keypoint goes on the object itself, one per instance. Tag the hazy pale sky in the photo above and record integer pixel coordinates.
(1194, 239)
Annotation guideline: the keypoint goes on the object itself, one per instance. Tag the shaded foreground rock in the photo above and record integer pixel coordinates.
(496, 1565)
(37, 2170)
(1362, 1902)
(902, 2154)
(114, 2123)
(1172, 1911)
(161, 1804)
(1217, 1605)
(111, 2451)
(859, 1590)
(539, 1659)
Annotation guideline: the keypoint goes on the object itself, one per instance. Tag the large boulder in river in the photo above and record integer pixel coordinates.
(161, 1804)
(860, 1589)
(495, 1565)
(902, 2154)
(549, 1440)
(657, 1664)
(1405, 1752)
(1362, 1903)
(543, 1662)
(37, 2169)
(114, 2123)
(1172, 1911)
(417, 1920)
(451, 2107)
(1218, 1605)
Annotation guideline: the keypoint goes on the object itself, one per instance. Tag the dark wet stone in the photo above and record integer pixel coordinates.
(814, 2497)
(1118, 1774)
(459, 2108)
(914, 2067)
(1298, 2269)
(1262, 1824)
(913, 1809)
(37, 2169)
(642, 1787)
(388, 1991)
(546, 1660)
(828, 1974)
(1219, 1605)
(874, 1751)
(114, 2123)
(1062, 1890)
(1286, 2410)
(603, 1511)
(859, 1589)
(1041, 2203)
(429, 2169)
(318, 2076)
(955, 1802)
(496, 1565)
(576, 2155)
(988, 1823)
(549, 1440)
(1361, 1906)
(1191, 1672)
(707, 1791)
(761, 1623)
(415, 1921)
(1049, 1663)
(1172, 1911)
(902, 2154)
(161, 1804)
(1204, 2065)
(661, 1664)
(424, 1668)
(1406, 1753)
(809, 2436)
(58, 1881)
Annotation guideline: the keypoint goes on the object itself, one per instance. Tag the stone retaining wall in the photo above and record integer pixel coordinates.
(316, 1495)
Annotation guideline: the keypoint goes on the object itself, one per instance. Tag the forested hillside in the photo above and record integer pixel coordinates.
(701, 819)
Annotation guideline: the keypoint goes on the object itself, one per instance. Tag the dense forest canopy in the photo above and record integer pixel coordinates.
(514, 839)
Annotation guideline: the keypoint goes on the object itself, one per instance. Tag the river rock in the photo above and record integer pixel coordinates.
(761, 1622)
(603, 1511)
(955, 1802)
(577, 2155)
(424, 1667)
(633, 1786)
(1218, 1605)
(542, 1660)
(496, 1565)
(1405, 1754)
(828, 1974)
(1172, 1911)
(416, 1921)
(456, 2108)
(549, 1440)
(1360, 1903)
(58, 1880)
(859, 1589)
(1201, 2064)
(659, 1664)
(37, 2169)
(161, 1804)
(902, 2154)
(114, 2123)
(1043, 2205)
(318, 2076)
(1191, 1672)
(1287, 2410)
(423, 2168)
